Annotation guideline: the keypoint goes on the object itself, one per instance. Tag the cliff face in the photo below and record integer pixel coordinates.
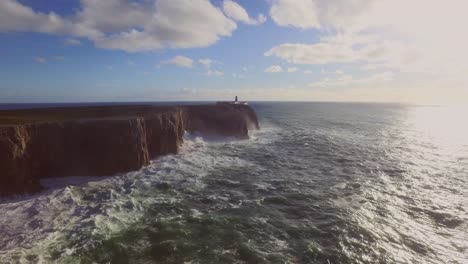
(119, 142)
(227, 120)
(16, 172)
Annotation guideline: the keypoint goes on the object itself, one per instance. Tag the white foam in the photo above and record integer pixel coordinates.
(75, 211)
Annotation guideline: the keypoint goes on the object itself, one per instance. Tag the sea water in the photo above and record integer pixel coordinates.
(319, 183)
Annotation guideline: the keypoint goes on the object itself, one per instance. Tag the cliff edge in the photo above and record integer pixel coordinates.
(98, 141)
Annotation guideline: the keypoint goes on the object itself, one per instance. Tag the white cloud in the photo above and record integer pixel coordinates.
(17, 17)
(322, 14)
(180, 61)
(238, 13)
(198, 24)
(343, 80)
(274, 69)
(206, 62)
(72, 42)
(369, 67)
(127, 25)
(320, 53)
(308, 72)
(215, 73)
(292, 69)
(362, 48)
(40, 59)
(295, 13)
(412, 36)
(240, 76)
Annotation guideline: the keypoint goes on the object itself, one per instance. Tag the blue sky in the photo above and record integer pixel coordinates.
(184, 50)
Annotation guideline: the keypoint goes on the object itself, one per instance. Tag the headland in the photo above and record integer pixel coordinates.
(104, 140)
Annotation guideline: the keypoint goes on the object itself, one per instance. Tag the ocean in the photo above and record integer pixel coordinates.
(319, 183)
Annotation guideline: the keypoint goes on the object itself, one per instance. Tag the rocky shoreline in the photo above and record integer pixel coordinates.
(100, 141)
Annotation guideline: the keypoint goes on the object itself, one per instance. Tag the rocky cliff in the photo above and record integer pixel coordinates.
(97, 141)
(228, 120)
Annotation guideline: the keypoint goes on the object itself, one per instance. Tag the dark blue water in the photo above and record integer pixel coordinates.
(319, 183)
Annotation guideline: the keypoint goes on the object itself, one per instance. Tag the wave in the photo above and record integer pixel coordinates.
(77, 212)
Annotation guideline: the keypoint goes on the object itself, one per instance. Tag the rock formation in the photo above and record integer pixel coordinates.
(99, 141)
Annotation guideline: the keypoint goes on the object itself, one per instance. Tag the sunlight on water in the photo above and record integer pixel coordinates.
(319, 183)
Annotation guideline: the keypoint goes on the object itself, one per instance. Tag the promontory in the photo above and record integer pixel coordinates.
(104, 140)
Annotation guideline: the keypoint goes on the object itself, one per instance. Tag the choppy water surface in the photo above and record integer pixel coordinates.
(320, 183)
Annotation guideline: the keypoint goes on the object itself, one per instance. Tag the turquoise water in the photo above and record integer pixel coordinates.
(319, 183)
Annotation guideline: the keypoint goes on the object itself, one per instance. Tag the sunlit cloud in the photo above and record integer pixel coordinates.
(295, 13)
(238, 13)
(40, 59)
(214, 73)
(72, 42)
(180, 61)
(274, 69)
(206, 62)
(346, 80)
(419, 40)
(127, 25)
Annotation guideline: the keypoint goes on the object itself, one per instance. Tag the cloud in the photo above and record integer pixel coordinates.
(404, 33)
(40, 59)
(72, 42)
(240, 76)
(342, 80)
(181, 61)
(323, 14)
(363, 48)
(296, 13)
(369, 67)
(319, 53)
(127, 25)
(198, 24)
(238, 13)
(292, 69)
(17, 17)
(206, 62)
(308, 72)
(45, 60)
(215, 73)
(274, 69)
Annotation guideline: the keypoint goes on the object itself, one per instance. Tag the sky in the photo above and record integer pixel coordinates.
(410, 51)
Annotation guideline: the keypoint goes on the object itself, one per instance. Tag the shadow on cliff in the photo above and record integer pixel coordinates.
(103, 141)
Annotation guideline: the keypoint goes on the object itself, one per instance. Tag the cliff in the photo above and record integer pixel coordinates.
(228, 120)
(99, 141)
